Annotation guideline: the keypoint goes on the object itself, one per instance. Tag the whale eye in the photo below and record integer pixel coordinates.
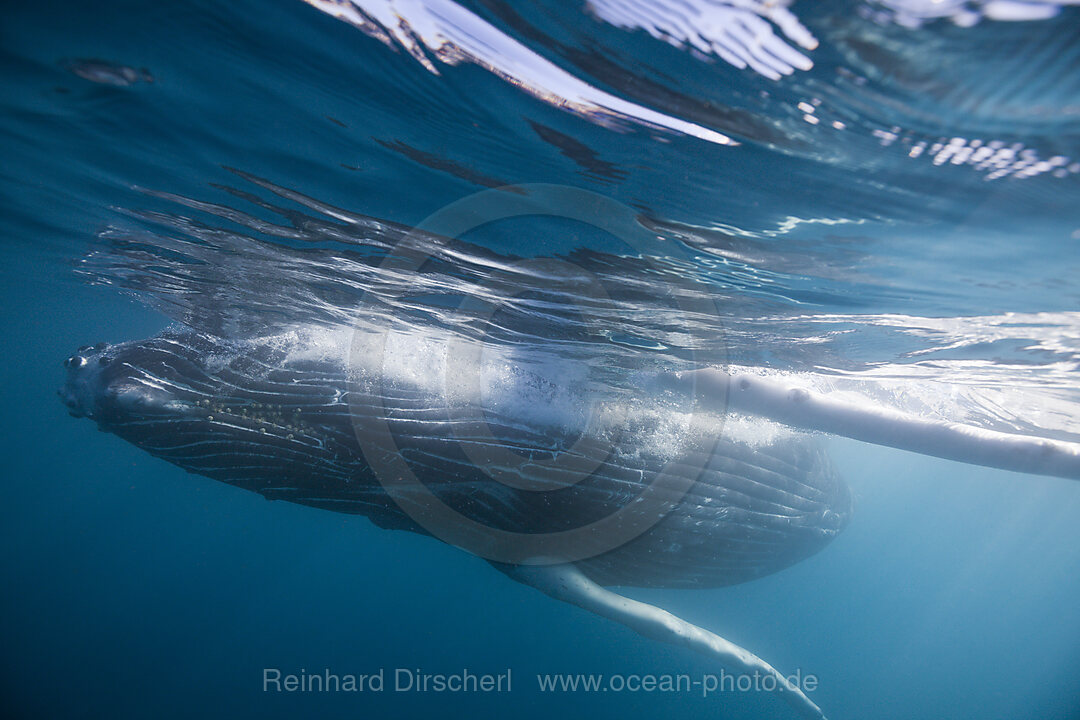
(75, 361)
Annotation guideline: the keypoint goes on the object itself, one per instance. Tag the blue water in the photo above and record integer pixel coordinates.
(830, 248)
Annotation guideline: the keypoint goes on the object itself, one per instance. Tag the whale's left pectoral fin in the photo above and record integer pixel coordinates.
(567, 583)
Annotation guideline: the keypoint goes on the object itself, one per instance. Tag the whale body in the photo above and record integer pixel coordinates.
(274, 418)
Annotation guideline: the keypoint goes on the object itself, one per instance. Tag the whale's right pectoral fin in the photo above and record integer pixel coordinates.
(797, 407)
(567, 583)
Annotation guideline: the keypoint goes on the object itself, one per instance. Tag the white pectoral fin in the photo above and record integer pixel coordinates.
(568, 584)
(776, 399)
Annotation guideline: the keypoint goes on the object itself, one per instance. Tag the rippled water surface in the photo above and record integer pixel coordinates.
(876, 198)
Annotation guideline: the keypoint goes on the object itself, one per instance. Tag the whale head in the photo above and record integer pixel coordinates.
(198, 403)
(103, 385)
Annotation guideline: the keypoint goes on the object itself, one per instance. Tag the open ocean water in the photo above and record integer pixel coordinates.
(878, 199)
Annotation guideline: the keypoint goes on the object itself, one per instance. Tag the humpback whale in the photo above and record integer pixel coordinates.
(291, 392)
(270, 418)
(256, 417)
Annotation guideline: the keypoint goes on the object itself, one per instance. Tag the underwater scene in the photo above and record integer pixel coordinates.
(601, 358)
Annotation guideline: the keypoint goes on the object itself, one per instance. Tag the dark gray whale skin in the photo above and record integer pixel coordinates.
(240, 412)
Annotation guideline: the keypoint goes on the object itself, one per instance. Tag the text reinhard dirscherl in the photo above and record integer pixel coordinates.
(400, 680)
(415, 680)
